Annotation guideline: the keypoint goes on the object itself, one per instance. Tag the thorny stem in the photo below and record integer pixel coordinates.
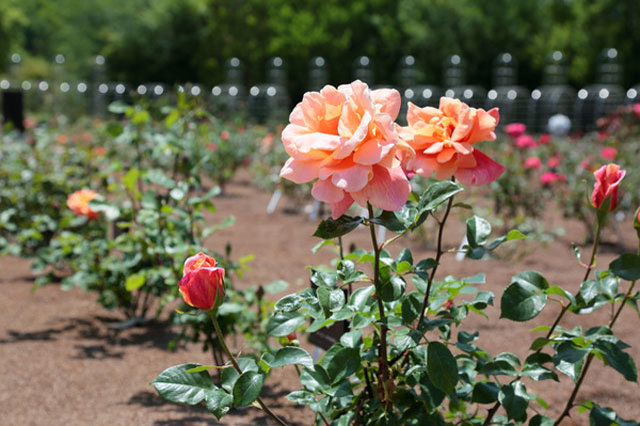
(439, 252)
(590, 357)
(226, 350)
(385, 380)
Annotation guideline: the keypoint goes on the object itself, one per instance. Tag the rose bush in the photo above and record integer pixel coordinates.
(403, 358)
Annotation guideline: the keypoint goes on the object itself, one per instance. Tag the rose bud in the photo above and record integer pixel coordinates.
(202, 285)
(607, 180)
(291, 337)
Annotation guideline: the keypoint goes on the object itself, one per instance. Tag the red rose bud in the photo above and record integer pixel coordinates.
(202, 285)
(291, 337)
(544, 139)
(607, 180)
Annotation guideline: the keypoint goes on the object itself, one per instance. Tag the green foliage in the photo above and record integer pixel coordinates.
(189, 40)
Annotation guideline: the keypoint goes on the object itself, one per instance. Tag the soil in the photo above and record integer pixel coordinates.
(62, 364)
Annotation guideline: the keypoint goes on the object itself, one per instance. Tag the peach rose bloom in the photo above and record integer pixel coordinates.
(78, 202)
(346, 138)
(443, 140)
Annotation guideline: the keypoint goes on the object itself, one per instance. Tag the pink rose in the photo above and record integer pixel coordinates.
(515, 130)
(525, 142)
(547, 178)
(532, 163)
(225, 135)
(347, 140)
(607, 180)
(608, 153)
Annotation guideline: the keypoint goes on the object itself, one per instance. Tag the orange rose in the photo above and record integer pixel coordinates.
(202, 285)
(443, 140)
(78, 202)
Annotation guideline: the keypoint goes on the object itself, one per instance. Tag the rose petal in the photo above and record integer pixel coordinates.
(325, 191)
(352, 178)
(388, 101)
(339, 208)
(300, 171)
(389, 189)
(485, 172)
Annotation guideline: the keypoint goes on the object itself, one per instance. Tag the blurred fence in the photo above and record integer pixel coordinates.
(554, 106)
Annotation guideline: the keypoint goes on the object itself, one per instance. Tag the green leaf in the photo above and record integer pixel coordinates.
(315, 379)
(391, 221)
(554, 289)
(524, 298)
(485, 393)
(218, 402)
(302, 397)
(330, 228)
(621, 361)
(436, 194)
(569, 358)
(515, 400)
(405, 256)
(442, 367)
(478, 231)
(135, 281)
(392, 289)
(352, 339)
(291, 355)
(289, 303)
(540, 420)
(176, 385)
(410, 308)
(101, 206)
(157, 177)
(360, 297)
(341, 362)
(247, 388)
(283, 323)
(626, 267)
(600, 416)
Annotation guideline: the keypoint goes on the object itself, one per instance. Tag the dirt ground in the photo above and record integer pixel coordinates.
(61, 363)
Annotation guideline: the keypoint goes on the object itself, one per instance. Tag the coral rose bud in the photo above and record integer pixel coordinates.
(78, 202)
(515, 129)
(202, 285)
(607, 180)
